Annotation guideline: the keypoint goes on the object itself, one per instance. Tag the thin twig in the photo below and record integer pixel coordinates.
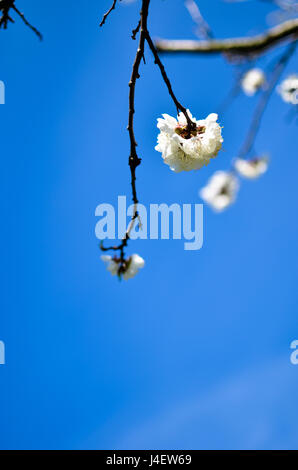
(167, 82)
(107, 13)
(21, 15)
(232, 95)
(136, 30)
(203, 28)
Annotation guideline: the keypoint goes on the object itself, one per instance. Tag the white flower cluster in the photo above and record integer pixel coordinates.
(184, 149)
(251, 169)
(288, 89)
(222, 188)
(130, 268)
(252, 81)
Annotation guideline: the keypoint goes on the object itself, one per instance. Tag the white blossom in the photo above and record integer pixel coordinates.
(185, 150)
(221, 190)
(112, 265)
(130, 267)
(253, 168)
(135, 262)
(288, 89)
(252, 81)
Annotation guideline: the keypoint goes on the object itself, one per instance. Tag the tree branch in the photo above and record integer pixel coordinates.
(5, 7)
(134, 160)
(287, 31)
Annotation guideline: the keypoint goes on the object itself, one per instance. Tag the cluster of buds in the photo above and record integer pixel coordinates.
(222, 188)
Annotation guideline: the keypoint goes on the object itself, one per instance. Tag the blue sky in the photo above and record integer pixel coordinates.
(195, 351)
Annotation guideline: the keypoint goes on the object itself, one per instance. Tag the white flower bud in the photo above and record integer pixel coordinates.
(288, 89)
(220, 191)
(251, 169)
(252, 81)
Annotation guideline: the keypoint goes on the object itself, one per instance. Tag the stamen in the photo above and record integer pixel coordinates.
(187, 133)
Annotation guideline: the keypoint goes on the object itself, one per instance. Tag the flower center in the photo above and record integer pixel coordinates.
(123, 265)
(224, 191)
(187, 133)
